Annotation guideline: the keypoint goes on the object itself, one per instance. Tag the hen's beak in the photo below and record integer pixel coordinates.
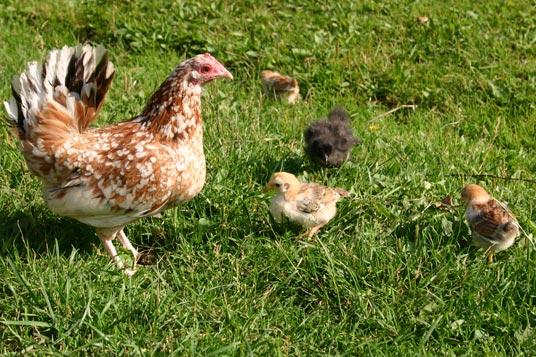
(227, 74)
(224, 73)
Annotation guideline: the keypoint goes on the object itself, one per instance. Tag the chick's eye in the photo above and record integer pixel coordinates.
(277, 185)
(205, 69)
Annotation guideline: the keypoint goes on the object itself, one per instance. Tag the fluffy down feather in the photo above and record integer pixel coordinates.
(329, 142)
(307, 204)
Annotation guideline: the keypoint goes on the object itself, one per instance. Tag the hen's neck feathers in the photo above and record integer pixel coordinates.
(173, 112)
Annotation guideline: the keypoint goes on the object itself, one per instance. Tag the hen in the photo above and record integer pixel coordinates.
(108, 177)
(279, 86)
(308, 204)
(328, 142)
(494, 227)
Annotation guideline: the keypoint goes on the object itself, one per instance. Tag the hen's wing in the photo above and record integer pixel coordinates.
(114, 173)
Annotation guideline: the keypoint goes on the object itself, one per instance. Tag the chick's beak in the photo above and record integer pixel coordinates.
(268, 187)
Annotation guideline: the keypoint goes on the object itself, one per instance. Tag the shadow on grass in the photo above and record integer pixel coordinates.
(411, 232)
(39, 231)
(264, 166)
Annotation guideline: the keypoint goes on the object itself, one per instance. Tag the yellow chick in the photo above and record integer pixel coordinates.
(307, 204)
(277, 85)
(493, 226)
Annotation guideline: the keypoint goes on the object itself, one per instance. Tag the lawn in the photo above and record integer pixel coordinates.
(390, 275)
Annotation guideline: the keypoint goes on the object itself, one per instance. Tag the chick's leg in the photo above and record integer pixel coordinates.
(490, 257)
(313, 231)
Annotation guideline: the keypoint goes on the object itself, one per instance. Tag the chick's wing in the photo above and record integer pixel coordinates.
(490, 217)
(313, 197)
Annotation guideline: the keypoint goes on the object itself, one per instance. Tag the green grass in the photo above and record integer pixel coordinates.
(391, 275)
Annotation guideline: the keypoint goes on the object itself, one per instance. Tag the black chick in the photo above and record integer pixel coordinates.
(328, 142)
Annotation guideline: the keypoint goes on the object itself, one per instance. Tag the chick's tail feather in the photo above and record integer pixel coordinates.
(61, 97)
(342, 193)
(511, 227)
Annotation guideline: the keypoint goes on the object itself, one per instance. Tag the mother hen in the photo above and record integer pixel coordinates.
(108, 177)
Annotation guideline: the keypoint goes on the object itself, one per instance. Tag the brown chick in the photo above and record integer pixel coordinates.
(279, 86)
(494, 227)
(307, 204)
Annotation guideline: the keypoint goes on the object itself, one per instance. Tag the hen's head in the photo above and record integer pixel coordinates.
(204, 68)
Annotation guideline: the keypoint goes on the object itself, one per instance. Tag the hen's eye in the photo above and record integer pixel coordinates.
(205, 69)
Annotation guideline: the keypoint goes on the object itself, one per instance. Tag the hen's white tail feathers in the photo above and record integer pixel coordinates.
(76, 78)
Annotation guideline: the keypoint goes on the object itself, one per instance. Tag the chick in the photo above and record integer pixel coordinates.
(307, 204)
(328, 142)
(279, 86)
(493, 226)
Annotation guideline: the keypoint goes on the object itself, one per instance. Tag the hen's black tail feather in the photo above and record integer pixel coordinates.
(73, 81)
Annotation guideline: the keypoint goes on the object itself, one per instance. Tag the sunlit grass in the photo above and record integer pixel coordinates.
(391, 274)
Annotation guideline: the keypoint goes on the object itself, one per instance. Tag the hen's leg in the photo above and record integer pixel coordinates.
(106, 235)
(126, 243)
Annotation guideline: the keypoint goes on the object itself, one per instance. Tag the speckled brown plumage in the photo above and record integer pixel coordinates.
(110, 176)
(493, 226)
